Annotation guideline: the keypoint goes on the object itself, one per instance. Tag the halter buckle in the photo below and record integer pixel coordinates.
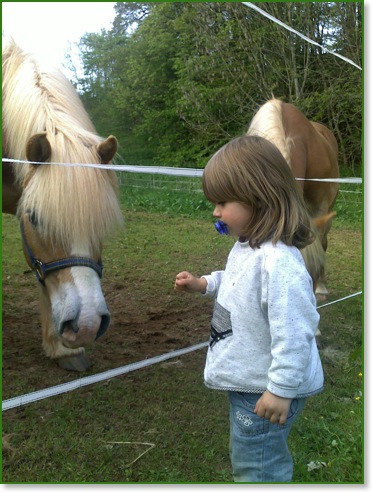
(39, 270)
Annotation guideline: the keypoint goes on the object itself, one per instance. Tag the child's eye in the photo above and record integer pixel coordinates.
(221, 203)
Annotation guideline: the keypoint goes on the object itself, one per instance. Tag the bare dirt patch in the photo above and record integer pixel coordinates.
(140, 328)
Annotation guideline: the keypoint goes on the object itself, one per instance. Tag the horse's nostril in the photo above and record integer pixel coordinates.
(68, 326)
(105, 321)
(69, 330)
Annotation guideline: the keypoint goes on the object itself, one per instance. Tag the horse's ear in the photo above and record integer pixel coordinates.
(107, 149)
(38, 148)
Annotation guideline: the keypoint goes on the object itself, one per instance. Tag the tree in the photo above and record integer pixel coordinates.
(177, 80)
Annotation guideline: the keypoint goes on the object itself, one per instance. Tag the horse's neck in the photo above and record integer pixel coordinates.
(268, 123)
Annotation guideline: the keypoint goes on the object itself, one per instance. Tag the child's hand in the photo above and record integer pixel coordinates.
(186, 282)
(273, 408)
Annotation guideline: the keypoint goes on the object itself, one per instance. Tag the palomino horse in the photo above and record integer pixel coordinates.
(64, 212)
(311, 151)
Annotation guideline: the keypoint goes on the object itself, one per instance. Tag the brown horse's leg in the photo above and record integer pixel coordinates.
(323, 225)
(321, 290)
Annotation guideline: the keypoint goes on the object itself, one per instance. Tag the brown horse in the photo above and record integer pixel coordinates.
(311, 151)
(64, 212)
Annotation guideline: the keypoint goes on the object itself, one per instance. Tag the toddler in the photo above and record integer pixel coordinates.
(262, 349)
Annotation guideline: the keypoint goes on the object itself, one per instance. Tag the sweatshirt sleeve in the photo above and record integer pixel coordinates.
(293, 320)
(213, 283)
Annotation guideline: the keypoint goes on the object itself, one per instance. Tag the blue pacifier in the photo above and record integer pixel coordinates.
(221, 227)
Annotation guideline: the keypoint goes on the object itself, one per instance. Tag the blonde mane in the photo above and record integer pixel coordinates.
(75, 205)
(267, 123)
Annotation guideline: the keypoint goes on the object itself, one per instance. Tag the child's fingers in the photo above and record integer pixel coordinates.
(183, 276)
(179, 288)
(182, 281)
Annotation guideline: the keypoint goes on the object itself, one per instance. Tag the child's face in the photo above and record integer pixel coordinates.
(235, 215)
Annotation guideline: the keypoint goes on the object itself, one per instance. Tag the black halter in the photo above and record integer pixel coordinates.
(41, 269)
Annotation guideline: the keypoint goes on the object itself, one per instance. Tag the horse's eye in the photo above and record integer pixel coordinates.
(33, 219)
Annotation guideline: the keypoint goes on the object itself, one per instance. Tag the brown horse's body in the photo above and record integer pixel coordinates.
(311, 151)
(65, 212)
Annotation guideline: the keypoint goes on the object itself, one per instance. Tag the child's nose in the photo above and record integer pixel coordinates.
(216, 211)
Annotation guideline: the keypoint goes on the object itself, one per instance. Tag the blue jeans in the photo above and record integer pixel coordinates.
(258, 448)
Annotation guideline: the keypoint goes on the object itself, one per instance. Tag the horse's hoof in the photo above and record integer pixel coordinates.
(321, 297)
(78, 363)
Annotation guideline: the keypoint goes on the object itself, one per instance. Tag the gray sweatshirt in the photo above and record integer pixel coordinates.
(264, 323)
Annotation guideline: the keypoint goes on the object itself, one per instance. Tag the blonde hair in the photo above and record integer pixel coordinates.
(252, 171)
(76, 205)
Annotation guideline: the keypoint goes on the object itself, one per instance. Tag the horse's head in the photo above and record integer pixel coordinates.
(62, 243)
(65, 212)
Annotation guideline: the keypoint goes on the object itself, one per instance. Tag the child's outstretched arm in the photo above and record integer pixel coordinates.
(186, 282)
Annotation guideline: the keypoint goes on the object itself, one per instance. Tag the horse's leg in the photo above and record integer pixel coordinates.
(318, 338)
(67, 358)
(321, 290)
(324, 225)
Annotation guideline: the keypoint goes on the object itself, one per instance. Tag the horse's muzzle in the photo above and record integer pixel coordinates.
(73, 336)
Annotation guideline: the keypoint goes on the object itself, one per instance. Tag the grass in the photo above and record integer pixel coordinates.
(146, 407)
(68, 438)
(179, 196)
